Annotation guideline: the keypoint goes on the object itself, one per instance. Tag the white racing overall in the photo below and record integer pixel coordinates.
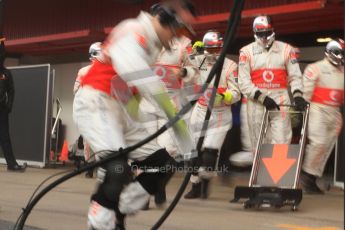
(272, 72)
(324, 89)
(221, 117)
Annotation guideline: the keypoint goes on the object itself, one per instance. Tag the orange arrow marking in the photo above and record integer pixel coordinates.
(279, 164)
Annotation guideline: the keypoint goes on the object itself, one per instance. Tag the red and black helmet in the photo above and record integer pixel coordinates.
(212, 39)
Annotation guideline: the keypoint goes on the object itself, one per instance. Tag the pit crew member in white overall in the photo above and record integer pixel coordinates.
(324, 88)
(221, 119)
(267, 68)
(128, 53)
(94, 53)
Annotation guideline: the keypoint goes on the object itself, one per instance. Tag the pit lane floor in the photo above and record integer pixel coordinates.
(66, 206)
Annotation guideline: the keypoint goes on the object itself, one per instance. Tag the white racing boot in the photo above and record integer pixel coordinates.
(242, 159)
(100, 218)
(133, 198)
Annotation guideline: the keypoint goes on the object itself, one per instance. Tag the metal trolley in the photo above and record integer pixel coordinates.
(275, 173)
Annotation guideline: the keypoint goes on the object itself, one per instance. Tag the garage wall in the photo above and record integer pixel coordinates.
(65, 75)
(11, 62)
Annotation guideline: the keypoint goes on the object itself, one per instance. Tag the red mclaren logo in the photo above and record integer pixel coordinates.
(293, 55)
(335, 95)
(309, 74)
(235, 73)
(243, 58)
(141, 40)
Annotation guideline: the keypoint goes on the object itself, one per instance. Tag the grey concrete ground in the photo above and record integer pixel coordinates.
(65, 207)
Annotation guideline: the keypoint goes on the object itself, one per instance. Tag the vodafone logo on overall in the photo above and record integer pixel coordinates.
(268, 76)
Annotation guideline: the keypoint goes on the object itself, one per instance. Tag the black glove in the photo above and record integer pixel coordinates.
(270, 104)
(300, 103)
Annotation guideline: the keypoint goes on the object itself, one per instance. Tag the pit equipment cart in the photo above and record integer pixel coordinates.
(275, 173)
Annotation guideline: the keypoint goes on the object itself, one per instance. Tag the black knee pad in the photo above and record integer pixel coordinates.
(209, 159)
(171, 167)
(157, 159)
(149, 181)
(156, 168)
(118, 174)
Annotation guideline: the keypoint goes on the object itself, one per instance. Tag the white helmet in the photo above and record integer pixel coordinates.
(95, 50)
(212, 39)
(335, 52)
(263, 31)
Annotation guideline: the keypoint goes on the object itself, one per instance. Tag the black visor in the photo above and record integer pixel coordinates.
(264, 34)
(338, 52)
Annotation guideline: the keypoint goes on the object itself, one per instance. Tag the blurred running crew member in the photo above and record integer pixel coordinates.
(323, 83)
(176, 71)
(129, 52)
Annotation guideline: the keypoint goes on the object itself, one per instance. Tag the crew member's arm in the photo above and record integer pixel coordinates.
(130, 57)
(294, 76)
(246, 85)
(244, 77)
(232, 94)
(310, 76)
(191, 72)
(81, 73)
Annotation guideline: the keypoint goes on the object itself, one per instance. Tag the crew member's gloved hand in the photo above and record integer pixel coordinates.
(300, 103)
(182, 73)
(268, 102)
(224, 97)
(227, 97)
(179, 72)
